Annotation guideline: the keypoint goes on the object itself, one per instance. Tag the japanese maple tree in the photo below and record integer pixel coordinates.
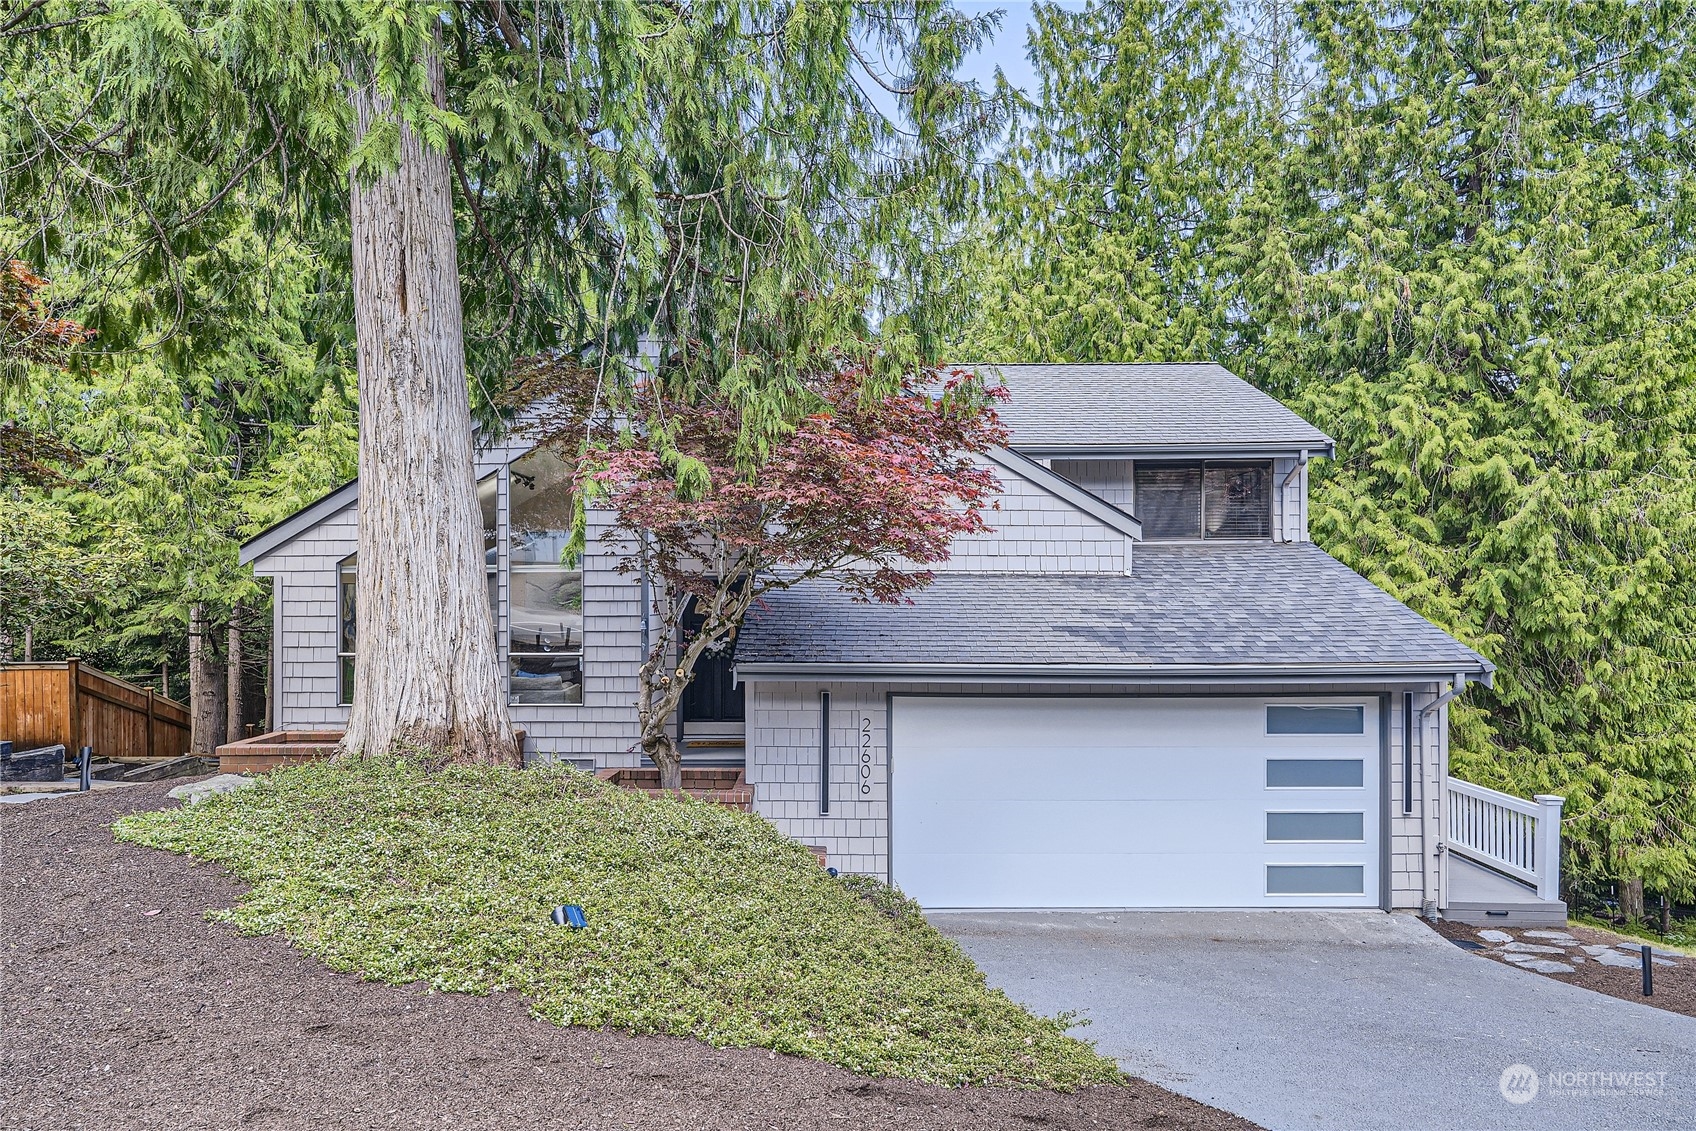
(867, 489)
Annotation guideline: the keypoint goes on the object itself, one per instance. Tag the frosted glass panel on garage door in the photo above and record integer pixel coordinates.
(1112, 802)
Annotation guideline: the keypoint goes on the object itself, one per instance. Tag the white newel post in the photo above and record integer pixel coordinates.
(1549, 846)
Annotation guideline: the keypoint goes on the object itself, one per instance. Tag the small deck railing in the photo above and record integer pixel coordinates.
(1517, 837)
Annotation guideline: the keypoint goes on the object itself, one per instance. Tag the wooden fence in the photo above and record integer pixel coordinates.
(50, 703)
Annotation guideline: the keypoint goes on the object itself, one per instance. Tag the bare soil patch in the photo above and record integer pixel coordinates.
(1675, 985)
(122, 1007)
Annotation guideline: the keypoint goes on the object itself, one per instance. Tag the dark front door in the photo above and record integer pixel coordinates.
(713, 696)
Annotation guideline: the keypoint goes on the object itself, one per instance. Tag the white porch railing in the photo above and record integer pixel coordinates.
(1510, 834)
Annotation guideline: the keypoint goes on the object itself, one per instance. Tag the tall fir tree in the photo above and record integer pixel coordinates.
(1479, 280)
(1123, 172)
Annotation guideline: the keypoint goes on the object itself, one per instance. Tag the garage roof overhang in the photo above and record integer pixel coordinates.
(1304, 673)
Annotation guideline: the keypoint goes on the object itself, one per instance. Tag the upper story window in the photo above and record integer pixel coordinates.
(1204, 499)
(545, 608)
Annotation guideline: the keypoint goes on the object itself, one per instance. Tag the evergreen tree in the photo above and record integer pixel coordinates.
(1480, 283)
(1124, 172)
(712, 175)
(172, 454)
(1458, 236)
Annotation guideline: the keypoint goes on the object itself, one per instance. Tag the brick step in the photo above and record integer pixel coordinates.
(722, 785)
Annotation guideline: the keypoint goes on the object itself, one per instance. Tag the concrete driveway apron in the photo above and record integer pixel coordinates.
(1353, 1021)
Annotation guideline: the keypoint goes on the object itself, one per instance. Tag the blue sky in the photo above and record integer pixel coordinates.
(1007, 51)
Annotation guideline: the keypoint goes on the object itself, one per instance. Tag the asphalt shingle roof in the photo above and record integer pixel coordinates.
(1143, 406)
(1184, 605)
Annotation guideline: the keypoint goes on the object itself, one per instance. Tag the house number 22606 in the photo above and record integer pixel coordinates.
(865, 754)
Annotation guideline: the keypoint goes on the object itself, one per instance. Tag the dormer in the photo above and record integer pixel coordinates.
(1194, 451)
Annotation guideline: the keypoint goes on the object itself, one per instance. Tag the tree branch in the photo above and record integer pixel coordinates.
(503, 21)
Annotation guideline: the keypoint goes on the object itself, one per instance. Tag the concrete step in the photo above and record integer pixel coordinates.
(1485, 897)
(1494, 913)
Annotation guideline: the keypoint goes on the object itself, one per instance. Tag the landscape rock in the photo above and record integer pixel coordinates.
(1610, 958)
(1637, 948)
(1541, 965)
(201, 790)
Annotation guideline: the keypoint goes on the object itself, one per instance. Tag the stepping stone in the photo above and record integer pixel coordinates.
(1576, 958)
(1531, 948)
(1594, 950)
(1637, 948)
(1541, 965)
(1495, 936)
(1612, 958)
(201, 790)
(1552, 936)
(1633, 960)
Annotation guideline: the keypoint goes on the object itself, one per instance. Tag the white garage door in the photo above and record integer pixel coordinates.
(1128, 802)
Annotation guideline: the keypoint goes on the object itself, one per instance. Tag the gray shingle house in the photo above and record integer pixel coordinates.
(1145, 688)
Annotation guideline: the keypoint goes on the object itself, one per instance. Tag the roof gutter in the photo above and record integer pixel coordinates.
(1084, 673)
(1324, 447)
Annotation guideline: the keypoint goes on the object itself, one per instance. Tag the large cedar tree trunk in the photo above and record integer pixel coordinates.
(425, 675)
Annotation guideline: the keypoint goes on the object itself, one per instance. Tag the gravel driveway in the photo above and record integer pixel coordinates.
(1356, 1021)
(121, 1007)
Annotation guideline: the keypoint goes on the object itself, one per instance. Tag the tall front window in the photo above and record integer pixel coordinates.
(1211, 499)
(545, 609)
(347, 590)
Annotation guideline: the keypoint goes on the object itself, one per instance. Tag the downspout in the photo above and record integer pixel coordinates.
(1301, 464)
(1442, 700)
(1436, 778)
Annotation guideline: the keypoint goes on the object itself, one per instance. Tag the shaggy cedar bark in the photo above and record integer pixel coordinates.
(1632, 906)
(426, 674)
